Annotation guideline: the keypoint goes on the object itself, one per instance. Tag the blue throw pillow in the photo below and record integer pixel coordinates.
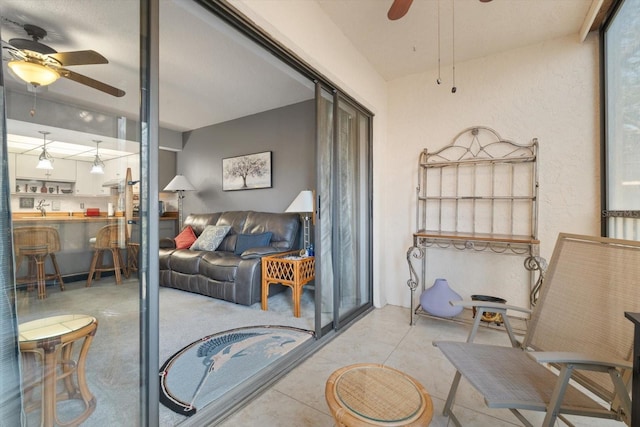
(248, 241)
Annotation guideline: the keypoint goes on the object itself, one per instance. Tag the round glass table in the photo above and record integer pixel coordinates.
(48, 356)
(377, 395)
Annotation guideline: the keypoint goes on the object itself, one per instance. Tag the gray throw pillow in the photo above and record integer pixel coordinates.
(248, 241)
(210, 238)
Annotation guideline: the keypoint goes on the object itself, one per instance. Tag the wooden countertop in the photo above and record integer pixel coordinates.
(21, 217)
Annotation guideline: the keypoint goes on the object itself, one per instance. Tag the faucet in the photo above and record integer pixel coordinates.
(41, 207)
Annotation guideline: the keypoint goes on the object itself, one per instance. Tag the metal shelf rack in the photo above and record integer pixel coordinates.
(478, 193)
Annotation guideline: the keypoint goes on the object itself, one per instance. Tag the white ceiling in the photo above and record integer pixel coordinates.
(210, 75)
(410, 44)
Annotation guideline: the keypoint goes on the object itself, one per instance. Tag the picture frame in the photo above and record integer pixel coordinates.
(247, 172)
(26, 202)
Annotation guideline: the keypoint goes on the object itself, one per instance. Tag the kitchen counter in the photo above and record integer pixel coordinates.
(20, 217)
(76, 231)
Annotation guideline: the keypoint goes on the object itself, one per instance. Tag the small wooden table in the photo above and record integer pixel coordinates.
(368, 394)
(47, 350)
(290, 270)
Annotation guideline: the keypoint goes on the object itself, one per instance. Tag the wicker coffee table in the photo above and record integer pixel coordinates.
(376, 395)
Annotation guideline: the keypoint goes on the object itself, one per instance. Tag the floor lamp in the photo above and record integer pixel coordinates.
(303, 204)
(179, 184)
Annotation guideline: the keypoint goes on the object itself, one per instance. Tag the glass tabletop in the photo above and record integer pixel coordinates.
(55, 326)
(379, 394)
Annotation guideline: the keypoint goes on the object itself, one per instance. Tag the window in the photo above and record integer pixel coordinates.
(621, 151)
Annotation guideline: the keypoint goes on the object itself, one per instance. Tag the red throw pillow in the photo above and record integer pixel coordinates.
(185, 239)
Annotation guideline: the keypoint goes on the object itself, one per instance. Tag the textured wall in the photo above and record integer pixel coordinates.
(548, 91)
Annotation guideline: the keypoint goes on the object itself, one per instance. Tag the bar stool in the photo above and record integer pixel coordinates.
(133, 252)
(109, 238)
(35, 244)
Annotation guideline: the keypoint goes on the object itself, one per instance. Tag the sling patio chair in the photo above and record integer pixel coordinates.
(576, 356)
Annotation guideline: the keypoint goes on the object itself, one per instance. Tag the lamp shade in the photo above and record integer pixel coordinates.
(98, 165)
(97, 168)
(31, 72)
(179, 183)
(302, 203)
(45, 160)
(44, 164)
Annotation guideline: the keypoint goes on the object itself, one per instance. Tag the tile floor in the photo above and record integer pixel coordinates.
(383, 336)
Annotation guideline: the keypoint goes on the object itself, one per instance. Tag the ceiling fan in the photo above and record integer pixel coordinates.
(399, 8)
(40, 65)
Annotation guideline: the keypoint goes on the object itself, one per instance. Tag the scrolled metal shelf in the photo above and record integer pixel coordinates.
(517, 245)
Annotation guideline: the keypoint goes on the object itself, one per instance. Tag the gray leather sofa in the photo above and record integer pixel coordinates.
(221, 273)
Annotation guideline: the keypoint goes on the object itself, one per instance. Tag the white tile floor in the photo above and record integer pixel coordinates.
(383, 336)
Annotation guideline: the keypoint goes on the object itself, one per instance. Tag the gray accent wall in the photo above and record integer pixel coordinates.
(288, 132)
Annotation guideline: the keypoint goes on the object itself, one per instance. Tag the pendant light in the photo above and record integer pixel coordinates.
(45, 160)
(98, 165)
(454, 89)
(453, 45)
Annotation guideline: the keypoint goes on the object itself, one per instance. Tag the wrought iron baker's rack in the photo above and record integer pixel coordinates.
(478, 193)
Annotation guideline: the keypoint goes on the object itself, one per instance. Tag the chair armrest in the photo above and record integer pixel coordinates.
(167, 243)
(567, 362)
(259, 252)
(581, 359)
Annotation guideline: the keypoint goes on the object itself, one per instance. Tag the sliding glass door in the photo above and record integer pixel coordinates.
(344, 209)
(82, 126)
(75, 260)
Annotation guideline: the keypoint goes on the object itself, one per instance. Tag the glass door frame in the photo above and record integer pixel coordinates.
(331, 138)
(148, 129)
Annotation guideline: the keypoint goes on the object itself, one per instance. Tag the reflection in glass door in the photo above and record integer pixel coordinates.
(66, 157)
(344, 214)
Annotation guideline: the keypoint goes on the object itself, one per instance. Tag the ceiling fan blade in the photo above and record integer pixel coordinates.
(398, 9)
(88, 81)
(79, 57)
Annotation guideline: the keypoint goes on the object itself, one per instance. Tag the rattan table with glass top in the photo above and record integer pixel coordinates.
(47, 347)
(368, 394)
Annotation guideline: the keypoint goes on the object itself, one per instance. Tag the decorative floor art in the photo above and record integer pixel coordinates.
(206, 369)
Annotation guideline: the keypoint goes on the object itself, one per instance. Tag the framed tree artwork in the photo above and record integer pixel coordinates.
(247, 172)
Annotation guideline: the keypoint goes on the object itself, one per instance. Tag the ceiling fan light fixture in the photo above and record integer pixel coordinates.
(97, 167)
(45, 161)
(34, 73)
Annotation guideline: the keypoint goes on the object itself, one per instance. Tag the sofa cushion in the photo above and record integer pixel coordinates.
(236, 220)
(185, 261)
(284, 227)
(248, 241)
(210, 238)
(186, 238)
(219, 266)
(199, 221)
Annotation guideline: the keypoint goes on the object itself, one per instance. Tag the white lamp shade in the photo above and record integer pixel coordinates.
(44, 164)
(179, 183)
(302, 203)
(97, 169)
